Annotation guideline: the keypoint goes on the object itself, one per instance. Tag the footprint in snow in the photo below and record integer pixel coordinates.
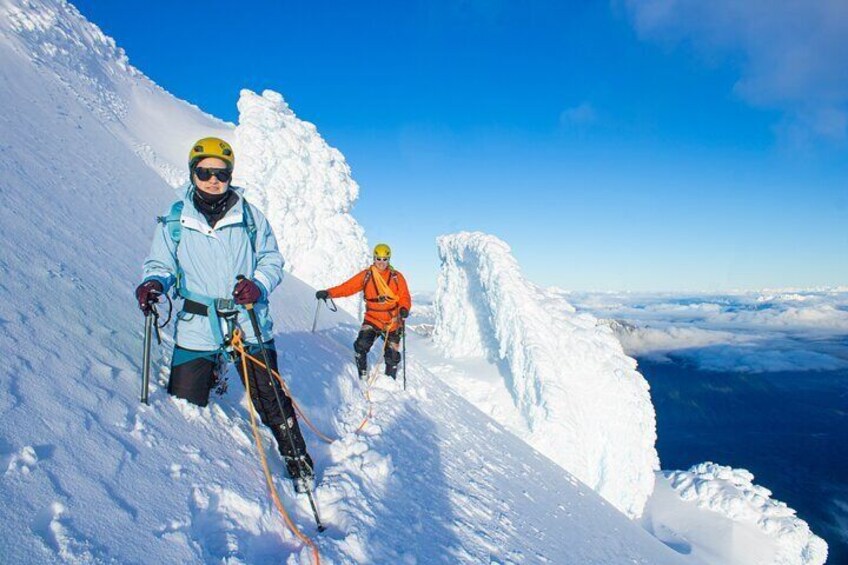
(232, 529)
(52, 526)
(21, 462)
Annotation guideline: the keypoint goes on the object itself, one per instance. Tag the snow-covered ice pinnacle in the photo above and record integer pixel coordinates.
(303, 186)
(580, 399)
(732, 493)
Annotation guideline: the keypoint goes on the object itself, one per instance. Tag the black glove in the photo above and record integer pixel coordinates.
(147, 294)
(247, 292)
(404, 313)
(322, 295)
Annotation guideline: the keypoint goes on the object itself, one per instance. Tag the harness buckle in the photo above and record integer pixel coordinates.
(225, 305)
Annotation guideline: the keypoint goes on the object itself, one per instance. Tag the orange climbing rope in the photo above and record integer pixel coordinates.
(327, 439)
(238, 344)
(367, 390)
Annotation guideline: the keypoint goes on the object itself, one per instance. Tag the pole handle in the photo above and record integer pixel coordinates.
(250, 305)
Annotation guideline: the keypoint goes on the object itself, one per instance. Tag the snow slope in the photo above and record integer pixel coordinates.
(302, 184)
(88, 475)
(576, 396)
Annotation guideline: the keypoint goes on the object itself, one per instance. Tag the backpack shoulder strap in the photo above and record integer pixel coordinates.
(172, 221)
(250, 224)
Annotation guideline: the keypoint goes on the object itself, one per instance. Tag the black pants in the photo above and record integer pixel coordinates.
(194, 379)
(364, 341)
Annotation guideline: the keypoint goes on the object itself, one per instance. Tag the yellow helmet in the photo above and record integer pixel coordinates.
(211, 147)
(382, 251)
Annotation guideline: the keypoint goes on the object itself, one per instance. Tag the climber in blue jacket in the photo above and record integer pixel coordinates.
(209, 237)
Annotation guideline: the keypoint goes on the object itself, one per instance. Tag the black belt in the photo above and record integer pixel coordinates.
(222, 305)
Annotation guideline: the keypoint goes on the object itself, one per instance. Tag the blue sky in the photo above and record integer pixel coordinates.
(622, 145)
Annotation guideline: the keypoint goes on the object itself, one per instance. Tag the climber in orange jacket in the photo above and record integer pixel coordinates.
(387, 304)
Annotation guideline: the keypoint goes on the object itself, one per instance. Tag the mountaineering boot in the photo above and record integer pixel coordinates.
(391, 371)
(362, 364)
(300, 471)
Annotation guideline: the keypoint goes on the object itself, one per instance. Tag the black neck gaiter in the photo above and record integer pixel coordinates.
(213, 206)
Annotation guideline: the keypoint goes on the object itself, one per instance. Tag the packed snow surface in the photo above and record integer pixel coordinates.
(577, 397)
(689, 507)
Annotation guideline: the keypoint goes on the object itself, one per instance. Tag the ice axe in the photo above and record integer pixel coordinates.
(331, 305)
(145, 372)
(151, 321)
(403, 337)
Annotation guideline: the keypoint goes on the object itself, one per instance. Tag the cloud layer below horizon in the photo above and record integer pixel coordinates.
(748, 332)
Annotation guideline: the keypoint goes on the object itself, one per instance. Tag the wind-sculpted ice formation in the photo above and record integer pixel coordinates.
(580, 399)
(305, 189)
(733, 494)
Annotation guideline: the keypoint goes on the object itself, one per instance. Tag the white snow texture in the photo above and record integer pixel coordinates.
(580, 398)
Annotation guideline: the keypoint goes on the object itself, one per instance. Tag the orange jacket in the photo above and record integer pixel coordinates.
(379, 312)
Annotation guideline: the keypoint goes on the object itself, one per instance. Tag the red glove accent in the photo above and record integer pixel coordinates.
(247, 292)
(147, 294)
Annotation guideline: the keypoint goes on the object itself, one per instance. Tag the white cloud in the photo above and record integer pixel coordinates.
(792, 55)
(746, 332)
(581, 115)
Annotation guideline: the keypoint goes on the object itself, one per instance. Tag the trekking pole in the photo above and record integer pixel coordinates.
(317, 310)
(258, 333)
(145, 372)
(403, 337)
(151, 322)
(331, 306)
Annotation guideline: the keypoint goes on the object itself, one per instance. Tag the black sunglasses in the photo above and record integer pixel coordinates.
(204, 174)
(382, 258)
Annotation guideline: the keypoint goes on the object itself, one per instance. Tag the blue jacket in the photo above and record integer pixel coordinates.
(208, 260)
